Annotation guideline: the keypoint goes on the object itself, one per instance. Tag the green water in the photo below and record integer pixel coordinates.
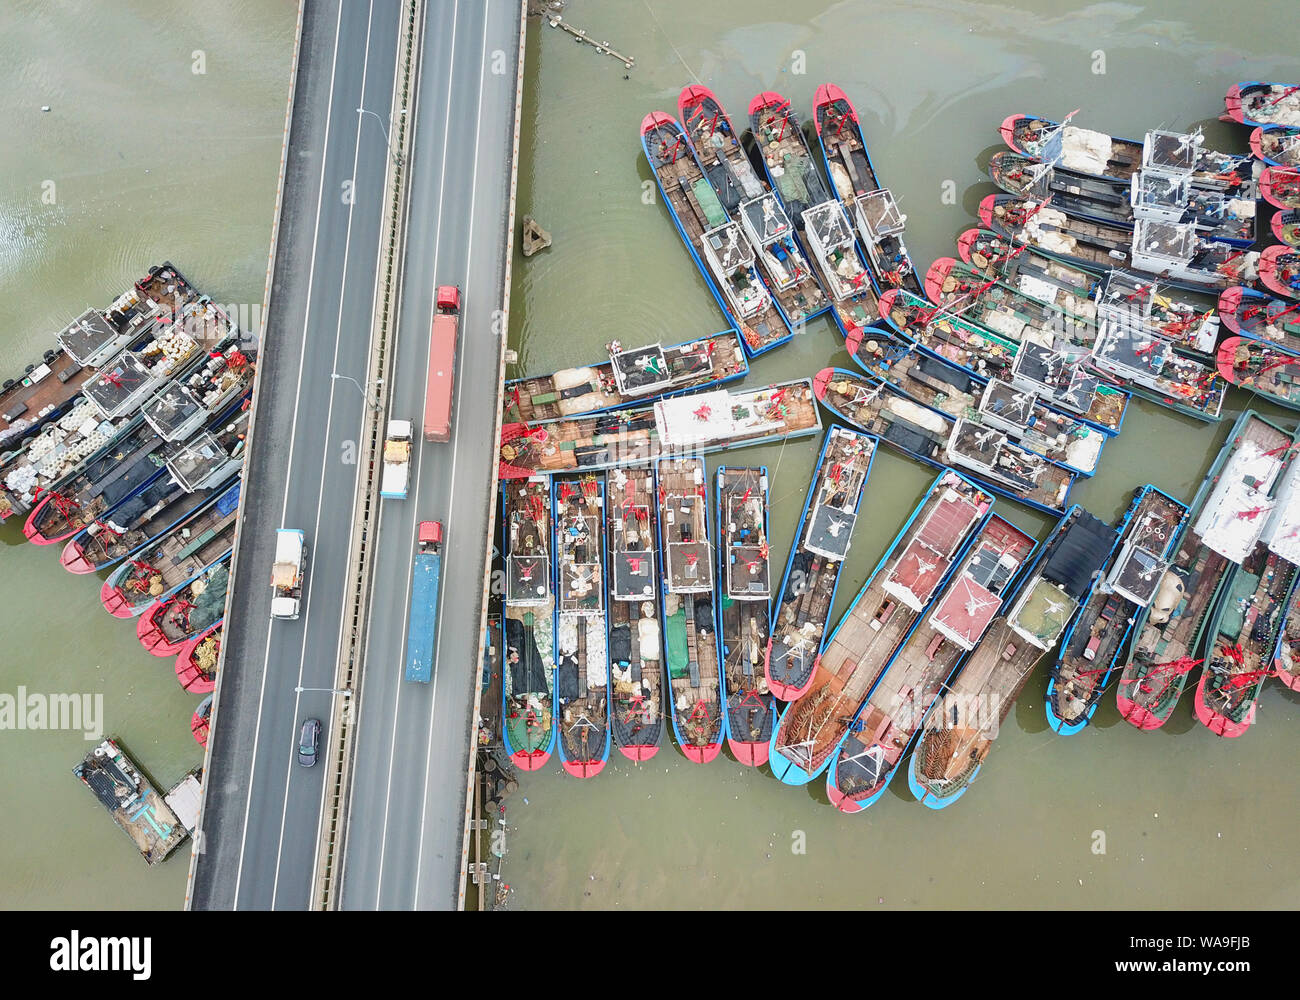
(931, 82)
(149, 161)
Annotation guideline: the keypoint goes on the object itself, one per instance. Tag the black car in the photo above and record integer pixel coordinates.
(308, 741)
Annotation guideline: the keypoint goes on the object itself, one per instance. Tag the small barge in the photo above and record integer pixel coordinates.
(136, 807)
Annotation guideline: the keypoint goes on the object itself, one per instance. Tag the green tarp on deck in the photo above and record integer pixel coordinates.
(708, 199)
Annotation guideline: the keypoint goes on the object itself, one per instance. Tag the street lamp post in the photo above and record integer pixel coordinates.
(383, 129)
(334, 376)
(345, 692)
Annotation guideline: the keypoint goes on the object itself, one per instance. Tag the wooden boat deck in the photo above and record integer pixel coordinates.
(690, 633)
(989, 453)
(971, 347)
(1055, 315)
(881, 409)
(186, 550)
(697, 423)
(635, 642)
(581, 655)
(653, 371)
(801, 614)
(1245, 634)
(870, 203)
(860, 648)
(35, 394)
(1253, 365)
(744, 602)
(1095, 244)
(896, 707)
(528, 684)
(1173, 627)
(188, 612)
(1096, 640)
(678, 172)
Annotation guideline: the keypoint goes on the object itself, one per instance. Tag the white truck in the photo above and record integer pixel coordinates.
(397, 460)
(288, 573)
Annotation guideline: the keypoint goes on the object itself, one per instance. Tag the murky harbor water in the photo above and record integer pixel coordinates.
(151, 161)
(1188, 819)
(145, 160)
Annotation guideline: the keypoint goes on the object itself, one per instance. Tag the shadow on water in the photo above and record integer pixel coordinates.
(970, 202)
(981, 159)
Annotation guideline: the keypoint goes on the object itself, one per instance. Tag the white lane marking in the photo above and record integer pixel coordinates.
(311, 275)
(326, 446)
(451, 486)
(394, 354)
(437, 241)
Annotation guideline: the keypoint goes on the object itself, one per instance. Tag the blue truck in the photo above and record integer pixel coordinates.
(422, 629)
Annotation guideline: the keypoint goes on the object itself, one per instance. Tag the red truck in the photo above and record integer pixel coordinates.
(442, 364)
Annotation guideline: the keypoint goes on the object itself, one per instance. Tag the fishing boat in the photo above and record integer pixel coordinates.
(1220, 530)
(960, 731)
(881, 617)
(812, 574)
(43, 392)
(697, 686)
(1280, 187)
(782, 262)
(581, 636)
(199, 472)
(818, 216)
(935, 383)
(1285, 228)
(61, 451)
(1286, 654)
(1189, 321)
(791, 170)
(698, 423)
(1256, 103)
(1276, 145)
(1242, 637)
(196, 663)
(117, 470)
(1127, 354)
(527, 692)
(191, 547)
(893, 713)
(186, 406)
(1095, 639)
(1279, 271)
(715, 242)
(635, 644)
(1039, 299)
(1260, 368)
(1148, 194)
(937, 439)
(201, 721)
(1172, 250)
(172, 620)
(744, 594)
(948, 336)
(631, 375)
(1070, 384)
(854, 179)
(1086, 153)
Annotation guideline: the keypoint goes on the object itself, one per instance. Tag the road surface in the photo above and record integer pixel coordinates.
(406, 814)
(262, 811)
